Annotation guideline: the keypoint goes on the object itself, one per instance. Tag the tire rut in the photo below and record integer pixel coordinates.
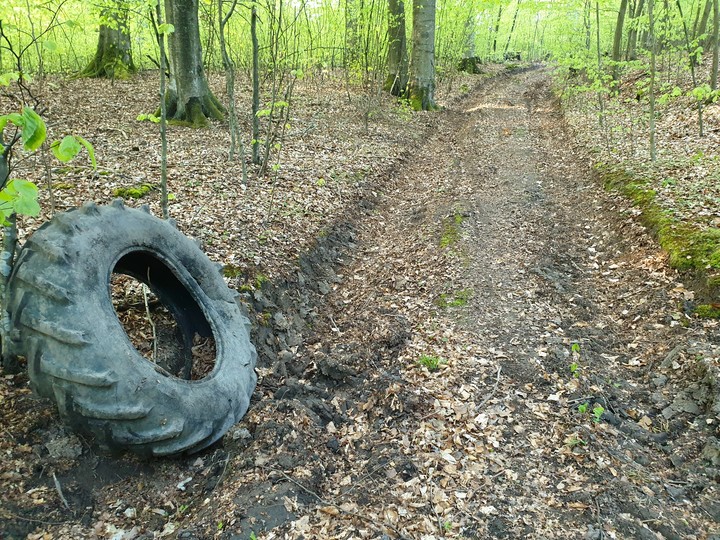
(494, 253)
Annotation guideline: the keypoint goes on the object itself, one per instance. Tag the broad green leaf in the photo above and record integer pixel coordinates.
(90, 150)
(50, 45)
(24, 188)
(19, 196)
(7, 78)
(66, 149)
(33, 130)
(166, 28)
(27, 206)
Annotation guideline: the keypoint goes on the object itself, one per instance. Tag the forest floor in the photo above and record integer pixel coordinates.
(461, 335)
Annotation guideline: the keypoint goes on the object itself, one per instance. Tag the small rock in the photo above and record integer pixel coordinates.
(333, 444)
(285, 356)
(281, 321)
(323, 287)
(240, 433)
(686, 405)
(677, 461)
(669, 412)
(130, 513)
(675, 492)
(711, 452)
(660, 381)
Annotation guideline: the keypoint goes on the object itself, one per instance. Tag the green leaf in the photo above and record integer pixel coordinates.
(27, 207)
(166, 28)
(24, 188)
(33, 130)
(19, 196)
(7, 78)
(66, 149)
(90, 150)
(50, 45)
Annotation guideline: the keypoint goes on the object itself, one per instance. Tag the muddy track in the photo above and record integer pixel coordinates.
(566, 391)
(495, 253)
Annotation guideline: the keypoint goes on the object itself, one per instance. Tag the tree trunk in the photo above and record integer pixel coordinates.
(512, 29)
(653, 53)
(617, 39)
(189, 99)
(702, 27)
(497, 29)
(255, 85)
(113, 57)
(422, 63)
(633, 33)
(587, 14)
(352, 38)
(716, 45)
(397, 58)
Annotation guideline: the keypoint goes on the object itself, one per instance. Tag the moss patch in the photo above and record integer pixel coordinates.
(135, 192)
(688, 246)
(456, 299)
(451, 230)
(232, 271)
(708, 311)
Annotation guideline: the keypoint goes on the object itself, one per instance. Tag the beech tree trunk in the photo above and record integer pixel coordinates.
(188, 97)
(422, 62)
(113, 57)
(512, 29)
(633, 33)
(716, 45)
(497, 29)
(617, 39)
(397, 58)
(702, 27)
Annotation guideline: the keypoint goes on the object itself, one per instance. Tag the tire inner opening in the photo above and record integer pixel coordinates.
(160, 317)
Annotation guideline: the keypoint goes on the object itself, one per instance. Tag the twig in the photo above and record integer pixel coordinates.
(599, 523)
(59, 491)
(492, 393)
(15, 516)
(149, 317)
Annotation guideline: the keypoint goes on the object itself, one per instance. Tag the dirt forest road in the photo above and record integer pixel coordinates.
(569, 400)
(500, 352)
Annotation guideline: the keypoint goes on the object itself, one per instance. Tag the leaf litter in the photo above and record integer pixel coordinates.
(349, 435)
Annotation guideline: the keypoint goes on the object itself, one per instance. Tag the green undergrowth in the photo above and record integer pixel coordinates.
(689, 247)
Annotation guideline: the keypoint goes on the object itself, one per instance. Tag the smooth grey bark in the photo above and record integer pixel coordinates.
(397, 57)
(716, 45)
(497, 29)
(701, 28)
(422, 61)
(633, 32)
(189, 99)
(653, 61)
(617, 38)
(512, 28)
(113, 56)
(229, 65)
(255, 86)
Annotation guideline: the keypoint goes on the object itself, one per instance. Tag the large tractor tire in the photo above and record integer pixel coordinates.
(79, 355)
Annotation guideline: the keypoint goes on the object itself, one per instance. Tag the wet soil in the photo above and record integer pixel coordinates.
(573, 394)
